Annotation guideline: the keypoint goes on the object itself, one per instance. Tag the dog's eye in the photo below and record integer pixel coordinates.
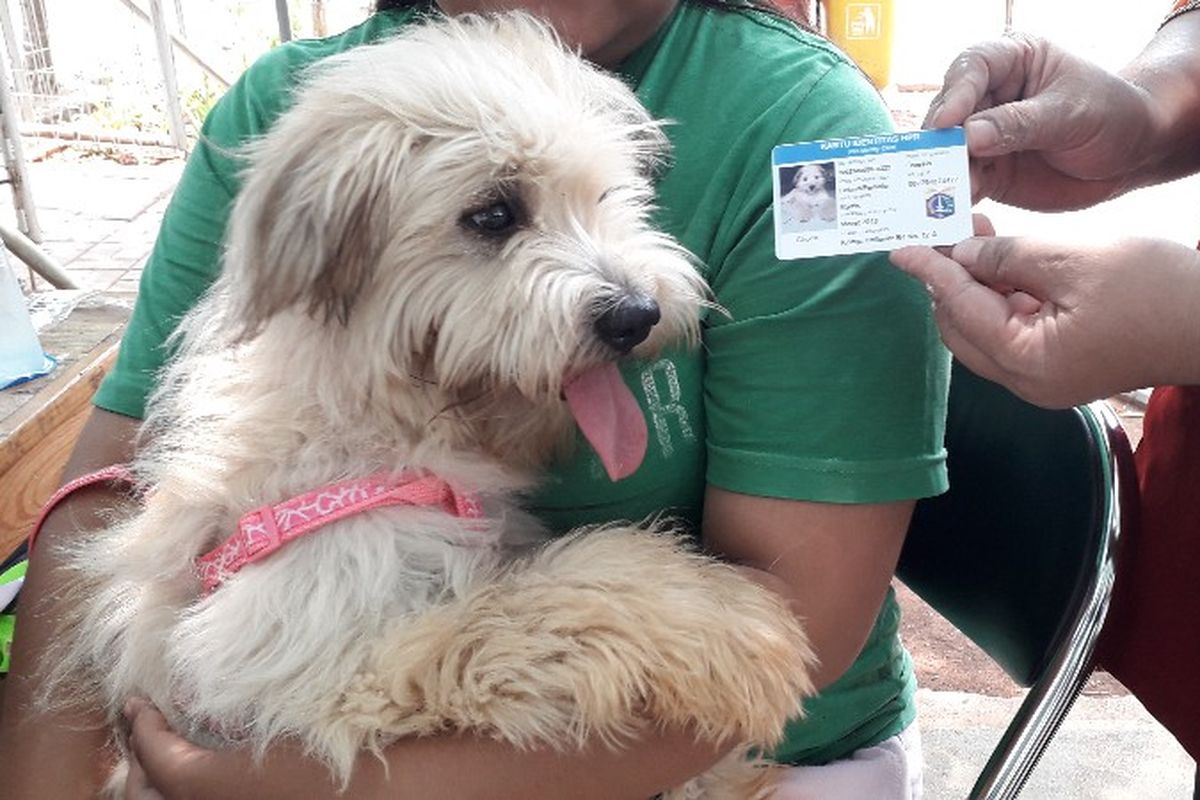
(495, 219)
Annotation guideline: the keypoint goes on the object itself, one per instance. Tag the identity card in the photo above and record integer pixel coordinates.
(871, 193)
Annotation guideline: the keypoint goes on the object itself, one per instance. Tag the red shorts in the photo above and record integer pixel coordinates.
(1151, 641)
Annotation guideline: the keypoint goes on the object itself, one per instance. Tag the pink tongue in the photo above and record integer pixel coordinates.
(609, 416)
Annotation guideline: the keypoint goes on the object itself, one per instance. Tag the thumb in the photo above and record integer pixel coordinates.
(1019, 126)
(160, 754)
(1006, 264)
(964, 306)
(982, 225)
(972, 318)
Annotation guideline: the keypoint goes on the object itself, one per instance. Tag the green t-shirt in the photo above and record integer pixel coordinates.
(825, 382)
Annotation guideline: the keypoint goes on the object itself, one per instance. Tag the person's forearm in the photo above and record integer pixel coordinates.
(1173, 345)
(459, 766)
(832, 563)
(837, 645)
(1168, 70)
(61, 754)
(467, 768)
(1138, 325)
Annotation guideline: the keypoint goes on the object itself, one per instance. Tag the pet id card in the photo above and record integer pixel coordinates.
(871, 193)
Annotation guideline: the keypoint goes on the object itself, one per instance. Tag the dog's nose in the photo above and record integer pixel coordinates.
(627, 322)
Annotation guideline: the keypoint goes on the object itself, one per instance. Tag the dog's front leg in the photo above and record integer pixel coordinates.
(603, 634)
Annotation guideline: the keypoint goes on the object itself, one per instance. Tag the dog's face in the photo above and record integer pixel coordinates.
(470, 204)
(810, 179)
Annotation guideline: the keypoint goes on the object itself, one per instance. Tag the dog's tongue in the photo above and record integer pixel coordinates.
(609, 416)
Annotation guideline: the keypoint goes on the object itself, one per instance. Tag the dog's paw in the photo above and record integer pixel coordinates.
(600, 635)
(737, 776)
(712, 650)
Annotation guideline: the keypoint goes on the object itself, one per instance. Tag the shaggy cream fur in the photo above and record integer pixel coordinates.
(414, 271)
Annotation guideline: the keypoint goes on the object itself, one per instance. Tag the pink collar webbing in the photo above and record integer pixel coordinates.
(266, 529)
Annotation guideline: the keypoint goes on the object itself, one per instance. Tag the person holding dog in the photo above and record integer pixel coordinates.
(1062, 324)
(795, 441)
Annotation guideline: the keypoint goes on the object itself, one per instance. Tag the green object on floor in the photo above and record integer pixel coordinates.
(8, 622)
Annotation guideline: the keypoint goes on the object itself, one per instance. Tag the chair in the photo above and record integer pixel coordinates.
(1019, 554)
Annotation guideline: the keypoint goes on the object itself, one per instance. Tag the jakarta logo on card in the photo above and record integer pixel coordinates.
(939, 205)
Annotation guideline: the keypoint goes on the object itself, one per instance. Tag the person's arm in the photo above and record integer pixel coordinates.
(462, 767)
(833, 563)
(1050, 131)
(58, 755)
(1168, 71)
(1063, 325)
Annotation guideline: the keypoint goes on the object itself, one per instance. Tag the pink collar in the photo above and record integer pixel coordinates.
(264, 530)
(117, 475)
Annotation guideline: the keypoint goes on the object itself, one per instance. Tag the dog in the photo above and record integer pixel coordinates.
(438, 258)
(811, 195)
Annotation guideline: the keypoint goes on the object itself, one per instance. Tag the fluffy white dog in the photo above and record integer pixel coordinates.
(438, 257)
(810, 197)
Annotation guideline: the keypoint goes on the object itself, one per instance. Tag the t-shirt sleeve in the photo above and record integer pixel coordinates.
(187, 253)
(825, 378)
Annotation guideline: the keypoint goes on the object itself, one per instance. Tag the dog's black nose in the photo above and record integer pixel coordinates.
(627, 322)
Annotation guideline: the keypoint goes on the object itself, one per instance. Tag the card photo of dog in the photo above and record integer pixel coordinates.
(808, 197)
(438, 258)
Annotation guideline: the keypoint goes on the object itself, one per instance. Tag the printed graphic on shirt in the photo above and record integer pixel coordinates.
(668, 416)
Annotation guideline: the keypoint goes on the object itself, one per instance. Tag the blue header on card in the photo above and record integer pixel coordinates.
(829, 149)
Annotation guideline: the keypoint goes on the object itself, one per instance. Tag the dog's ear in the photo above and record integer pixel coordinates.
(313, 216)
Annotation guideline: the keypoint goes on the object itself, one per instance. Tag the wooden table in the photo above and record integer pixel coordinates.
(40, 419)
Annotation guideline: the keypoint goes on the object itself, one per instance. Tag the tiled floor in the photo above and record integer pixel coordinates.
(99, 216)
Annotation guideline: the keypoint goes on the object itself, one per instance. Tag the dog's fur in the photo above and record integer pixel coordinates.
(810, 196)
(361, 325)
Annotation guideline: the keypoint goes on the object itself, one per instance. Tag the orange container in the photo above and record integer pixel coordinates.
(864, 31)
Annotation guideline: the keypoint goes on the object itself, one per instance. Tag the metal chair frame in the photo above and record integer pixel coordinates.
(1051, 697)
(1055, 670)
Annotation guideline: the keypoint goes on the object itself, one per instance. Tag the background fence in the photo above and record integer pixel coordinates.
(95, 70)
(131, 73)
(96, 73)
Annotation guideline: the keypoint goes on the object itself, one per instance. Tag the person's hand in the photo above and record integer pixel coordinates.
(165, 766)
(1046, 130)
(1061, 325)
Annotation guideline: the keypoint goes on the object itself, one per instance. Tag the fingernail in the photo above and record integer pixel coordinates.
(982, 136)
(132, 706)
(935, 108)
